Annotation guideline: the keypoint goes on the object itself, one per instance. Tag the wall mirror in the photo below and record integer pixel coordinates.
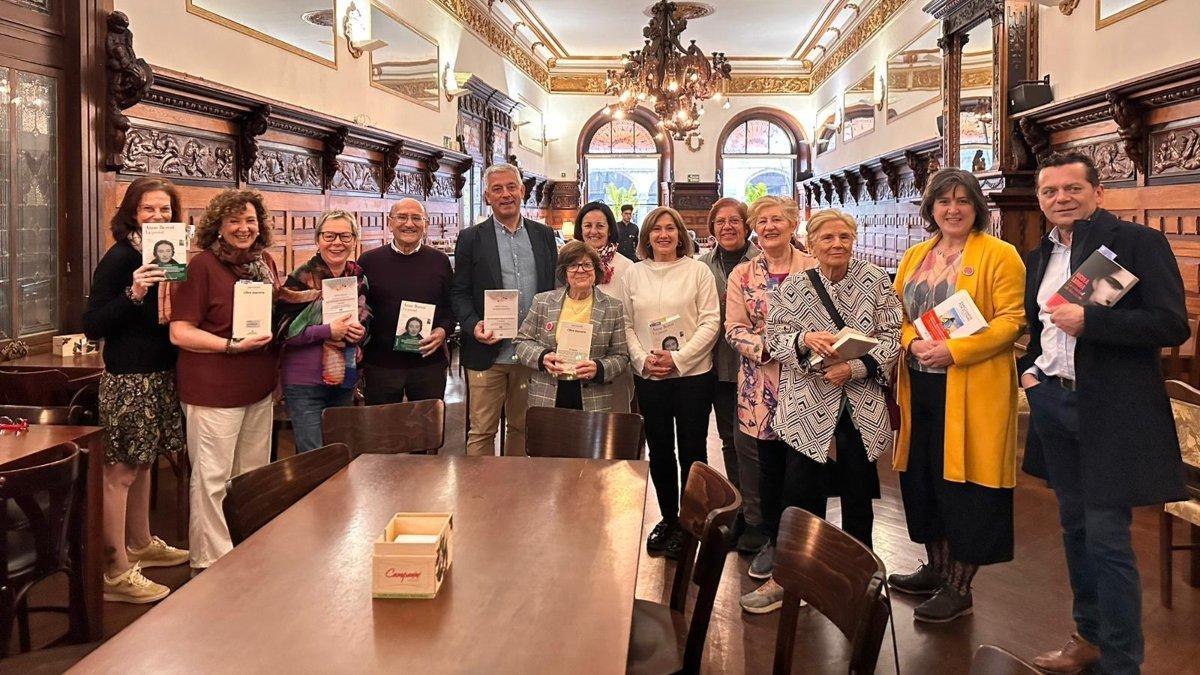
(858, 108)
(303, 28)
(408, 65)
(826, 128)
(976, 110)
(1112, 11)
(914, 75)
(530, 127)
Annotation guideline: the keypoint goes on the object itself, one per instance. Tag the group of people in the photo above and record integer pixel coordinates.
(746, 331)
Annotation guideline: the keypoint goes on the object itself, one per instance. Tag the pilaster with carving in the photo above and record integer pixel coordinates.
(919, 164)
(870, 180)
(335, 144)
(390, 158)
(952, 48)
(250, 126)
(891, 171)
(1016, 43)
(431, 167)
(129, 79)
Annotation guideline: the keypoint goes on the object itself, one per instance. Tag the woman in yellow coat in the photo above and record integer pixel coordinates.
(956, 451)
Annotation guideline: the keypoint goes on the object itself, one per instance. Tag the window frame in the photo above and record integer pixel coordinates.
(801, 154)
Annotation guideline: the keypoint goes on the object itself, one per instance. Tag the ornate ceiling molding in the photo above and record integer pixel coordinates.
(864, 30)
(738, 85)
(497, 36)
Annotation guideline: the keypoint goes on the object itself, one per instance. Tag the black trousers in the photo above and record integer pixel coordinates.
(789, 478)
(676, 408)
(395, 385)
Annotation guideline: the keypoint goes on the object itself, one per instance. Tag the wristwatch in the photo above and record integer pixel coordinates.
(129, 294)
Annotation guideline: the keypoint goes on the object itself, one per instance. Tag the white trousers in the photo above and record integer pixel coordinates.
(222, 443)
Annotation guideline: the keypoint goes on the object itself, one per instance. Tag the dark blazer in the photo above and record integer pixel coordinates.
(627, 240)
(477, 268)
(1127, 442)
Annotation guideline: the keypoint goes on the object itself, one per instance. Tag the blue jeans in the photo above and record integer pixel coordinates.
(305, 403)
(1100, 560)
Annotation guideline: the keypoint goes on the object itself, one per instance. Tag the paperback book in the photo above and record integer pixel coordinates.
(165, 245)
(1100, 280)
(849, 344)
(414, 324)
(956, 316)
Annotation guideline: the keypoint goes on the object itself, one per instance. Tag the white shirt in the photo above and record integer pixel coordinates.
(657, 290)
(397, 248)
(616, 286)
(1058, 349)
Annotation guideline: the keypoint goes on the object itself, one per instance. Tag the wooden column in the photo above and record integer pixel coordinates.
(1015, 26)
(952, 49)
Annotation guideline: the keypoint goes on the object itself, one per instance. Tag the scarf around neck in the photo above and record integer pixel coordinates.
(299, 306)
(606, 267)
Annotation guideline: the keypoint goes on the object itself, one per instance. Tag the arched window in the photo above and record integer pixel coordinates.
(623, 162)
(761, 153)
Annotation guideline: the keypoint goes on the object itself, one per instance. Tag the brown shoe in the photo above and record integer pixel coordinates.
(1074, 656)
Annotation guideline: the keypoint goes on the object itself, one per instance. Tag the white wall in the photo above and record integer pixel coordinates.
(166, 35)
(1081, 59)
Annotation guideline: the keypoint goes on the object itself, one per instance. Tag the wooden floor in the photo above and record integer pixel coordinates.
(1023, 606)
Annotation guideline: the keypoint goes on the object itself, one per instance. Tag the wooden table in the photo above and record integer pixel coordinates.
(29, 448)
(73, 366)
(545, 563)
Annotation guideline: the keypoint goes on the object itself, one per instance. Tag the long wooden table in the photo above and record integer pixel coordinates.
(73, 366)
(545, 564)
(29, 448)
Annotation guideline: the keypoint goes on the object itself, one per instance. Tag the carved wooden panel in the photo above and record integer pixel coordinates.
(1108, 153)
(354, 175)
(302, 236)
(443, 188)
(1175, 152)
(287, 167)
(179, 154)
(407, 184)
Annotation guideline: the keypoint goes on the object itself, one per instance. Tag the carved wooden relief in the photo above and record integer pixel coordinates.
(389, 164)
(357, 176)
(287, 168)
(919, 164)
(252, 125)
(178, 154)
(1108, 153)
(1175, 152)
(335, 143)
(1037, 140)
(442, 188)
(129, 79)
(1131, 126)
(407, 184)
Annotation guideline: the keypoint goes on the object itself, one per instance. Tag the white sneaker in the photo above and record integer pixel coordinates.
(133, 587)
(157, 553)
(765, 599)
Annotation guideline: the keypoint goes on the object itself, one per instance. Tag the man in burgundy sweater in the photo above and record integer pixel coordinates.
(404, 270)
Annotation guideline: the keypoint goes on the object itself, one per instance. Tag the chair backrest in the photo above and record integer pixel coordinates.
(839, 577)
(54, 414)
(707, 509)
(254, 498)
(56, 475)
(993, 660)
(562, 432)
(35, 387)
(1180, 361)
(388, 429)
(87, 396)
(1185, 406)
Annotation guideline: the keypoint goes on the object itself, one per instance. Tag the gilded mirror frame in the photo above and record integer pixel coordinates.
(1102, 21)
(437, 49)
(231, 24)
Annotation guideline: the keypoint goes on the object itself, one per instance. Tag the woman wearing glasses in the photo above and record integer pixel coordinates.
(574, 338)
(321, 339)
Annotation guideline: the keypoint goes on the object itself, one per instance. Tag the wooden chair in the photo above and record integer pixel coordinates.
(391, 428)
(254, 498)
(1180, 362)
(41, 550)
(56, 414)
(87, 396)
(1185, 404)
(661, 639)
(839, 577)
(561, 432)
(993, 660)
(35, 387)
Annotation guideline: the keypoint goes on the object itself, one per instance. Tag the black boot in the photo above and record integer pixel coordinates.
(674, 547)
(946, 606)
(924, 581)
(657, 541)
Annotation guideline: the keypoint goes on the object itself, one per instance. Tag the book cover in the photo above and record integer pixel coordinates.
(500, 312)
(414, 324)
(166, 245)
(1099, 280)
(956, 316)
(667, 334)
(849, 344)
(339, 297)
(574, 345)
(251, 309)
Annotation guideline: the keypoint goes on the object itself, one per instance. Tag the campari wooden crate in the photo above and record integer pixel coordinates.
(74, 344)
(412, 556)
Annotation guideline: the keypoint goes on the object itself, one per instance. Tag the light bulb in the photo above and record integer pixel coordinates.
(726, 105)
(717, 96)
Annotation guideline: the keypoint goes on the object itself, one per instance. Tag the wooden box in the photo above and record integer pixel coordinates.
(417, 567)
(74, 344)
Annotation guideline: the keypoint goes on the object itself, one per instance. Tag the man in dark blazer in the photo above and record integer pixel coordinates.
(505, 251)
(627, 233)
(1101, 429)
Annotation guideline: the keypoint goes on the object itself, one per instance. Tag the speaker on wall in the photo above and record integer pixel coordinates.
(1029, 94)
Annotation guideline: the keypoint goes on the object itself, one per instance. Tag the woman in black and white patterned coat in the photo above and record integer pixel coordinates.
(832, 420)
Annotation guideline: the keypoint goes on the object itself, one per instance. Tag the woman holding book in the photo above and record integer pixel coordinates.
(321, 340)
(139, 406)
(831, 419)
(573, 338)
(747, 301)
(669, 293)
(956, 451)
(225, 382)
(596, 226)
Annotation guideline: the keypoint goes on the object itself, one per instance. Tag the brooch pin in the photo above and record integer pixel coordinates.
(549, 325)
(968, 271)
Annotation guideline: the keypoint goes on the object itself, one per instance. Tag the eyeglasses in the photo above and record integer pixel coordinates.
(404, 218)
(581, 267)
(728, 221)
(330, 237)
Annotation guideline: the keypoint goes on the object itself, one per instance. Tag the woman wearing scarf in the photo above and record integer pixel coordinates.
(321, 353)
(137, 387)
(596, 226)
(225, 384)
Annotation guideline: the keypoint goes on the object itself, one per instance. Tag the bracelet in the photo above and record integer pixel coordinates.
(129, 294)
(229, 346)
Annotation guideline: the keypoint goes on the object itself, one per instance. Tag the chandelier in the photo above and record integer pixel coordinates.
(674, 81)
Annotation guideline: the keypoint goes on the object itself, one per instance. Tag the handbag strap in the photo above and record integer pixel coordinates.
(822, 293)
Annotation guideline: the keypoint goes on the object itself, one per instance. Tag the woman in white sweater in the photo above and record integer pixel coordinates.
(672, 320)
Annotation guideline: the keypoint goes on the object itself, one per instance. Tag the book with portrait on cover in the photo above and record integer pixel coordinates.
(166, 245)
(1099, 280)
(956, 316)
(414, 324)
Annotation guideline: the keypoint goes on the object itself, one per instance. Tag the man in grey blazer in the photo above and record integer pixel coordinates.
(505, 251)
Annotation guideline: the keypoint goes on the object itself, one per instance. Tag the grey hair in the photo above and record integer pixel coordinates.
(337, 214)
(501, 168)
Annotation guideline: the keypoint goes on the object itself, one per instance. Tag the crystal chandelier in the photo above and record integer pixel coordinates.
(663, 75)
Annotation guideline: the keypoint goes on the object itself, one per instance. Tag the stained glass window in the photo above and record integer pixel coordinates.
(622, 137)
(758, 137)
(758, 158)
(623, 167)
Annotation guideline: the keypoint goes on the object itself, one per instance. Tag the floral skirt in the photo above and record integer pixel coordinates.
(142, 415)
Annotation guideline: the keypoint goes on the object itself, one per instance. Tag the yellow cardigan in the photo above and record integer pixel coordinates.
(981, 385)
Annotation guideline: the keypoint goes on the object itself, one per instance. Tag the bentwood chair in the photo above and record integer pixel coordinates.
(837, 576)
(1185, 405)
(41, 549)
(391, 428)
(993, 660)
(254, 498)
(561, 432)
(662, 639)
(35, 387)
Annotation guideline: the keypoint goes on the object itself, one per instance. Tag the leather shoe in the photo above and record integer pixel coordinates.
(1076, 655)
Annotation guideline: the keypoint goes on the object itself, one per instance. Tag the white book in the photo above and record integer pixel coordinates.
(166, 245)
(849, 344)
(414, 324)
(251, 309)
(500, 310)
(956, 316)
(339, 297)
(574, 343)
(667, 334)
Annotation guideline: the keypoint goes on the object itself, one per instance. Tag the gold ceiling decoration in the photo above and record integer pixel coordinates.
(738, 84)
(497, 36)
(856, 38)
